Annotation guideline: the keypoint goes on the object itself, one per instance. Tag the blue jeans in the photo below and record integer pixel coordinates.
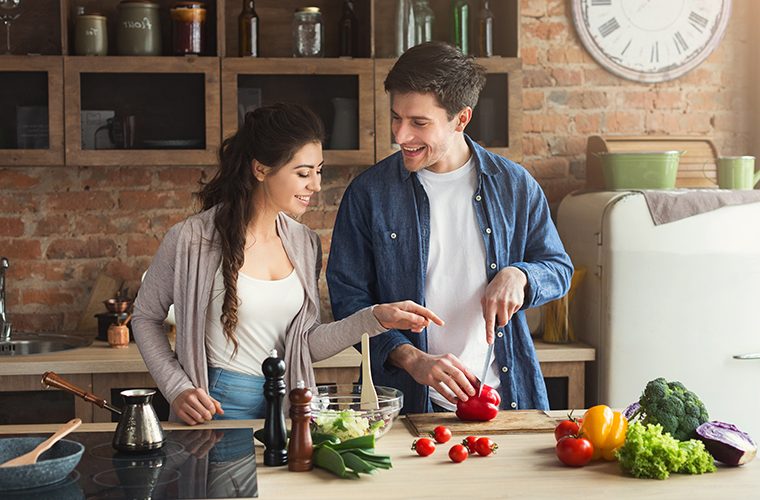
(241, 395)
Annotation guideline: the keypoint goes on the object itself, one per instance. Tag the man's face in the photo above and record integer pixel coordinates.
(423, 130)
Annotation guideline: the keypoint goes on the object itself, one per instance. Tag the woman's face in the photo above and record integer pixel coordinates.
(289, 188)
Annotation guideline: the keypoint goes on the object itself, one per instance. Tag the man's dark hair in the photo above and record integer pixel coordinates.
(442, 70)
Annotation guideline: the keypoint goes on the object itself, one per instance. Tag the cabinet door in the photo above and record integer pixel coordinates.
(338, 90)
(31, 110)
(142, 110)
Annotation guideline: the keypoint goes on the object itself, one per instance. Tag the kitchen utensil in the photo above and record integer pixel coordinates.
(54, 465)
(640, 170)
(32, 456)
(506, 422)
(368, 395)
(138, 430)
(330, 400)
(486, 364)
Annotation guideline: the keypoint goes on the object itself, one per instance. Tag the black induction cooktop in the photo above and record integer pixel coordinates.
(204, 463)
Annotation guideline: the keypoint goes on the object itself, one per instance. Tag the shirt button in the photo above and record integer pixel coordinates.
(493, 266)
(500, 335)
(478, 197)
(393, 236)
(488, 230)
(513, 405)
(504, 369)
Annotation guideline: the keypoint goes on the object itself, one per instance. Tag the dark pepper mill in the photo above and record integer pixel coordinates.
(275, 432)
(300, 447)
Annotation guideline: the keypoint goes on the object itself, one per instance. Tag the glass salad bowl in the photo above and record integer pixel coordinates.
(336, 409)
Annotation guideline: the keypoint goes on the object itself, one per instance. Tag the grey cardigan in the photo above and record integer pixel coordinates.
(182, 273)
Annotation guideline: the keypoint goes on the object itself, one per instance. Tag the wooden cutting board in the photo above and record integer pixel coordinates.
(506, 422)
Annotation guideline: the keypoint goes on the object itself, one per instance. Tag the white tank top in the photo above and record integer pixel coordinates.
(266, 310)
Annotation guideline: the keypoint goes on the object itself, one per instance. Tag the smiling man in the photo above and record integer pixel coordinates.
(447, 223)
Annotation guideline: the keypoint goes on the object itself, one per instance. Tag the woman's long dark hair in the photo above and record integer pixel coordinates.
(271, 135)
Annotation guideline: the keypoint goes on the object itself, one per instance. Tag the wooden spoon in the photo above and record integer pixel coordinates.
(368, 396)
(32, 456)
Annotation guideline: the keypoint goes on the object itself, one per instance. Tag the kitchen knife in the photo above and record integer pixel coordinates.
(486, 364)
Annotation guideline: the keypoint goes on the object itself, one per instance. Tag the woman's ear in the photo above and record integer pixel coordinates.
(259, 170)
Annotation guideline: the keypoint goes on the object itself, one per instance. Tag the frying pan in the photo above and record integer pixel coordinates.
(53, 465)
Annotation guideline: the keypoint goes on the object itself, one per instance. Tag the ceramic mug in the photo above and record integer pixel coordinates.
(737, 172)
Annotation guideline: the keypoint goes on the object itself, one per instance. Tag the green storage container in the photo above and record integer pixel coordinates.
(640, 170)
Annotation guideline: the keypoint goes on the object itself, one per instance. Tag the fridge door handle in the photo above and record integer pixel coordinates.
(754, 355)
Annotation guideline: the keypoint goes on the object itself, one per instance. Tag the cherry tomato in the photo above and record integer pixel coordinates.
(485, 446)
(441, 434)
(574, 451)
(566, 428)
(469, 443)
(458, 453)
(423, 447)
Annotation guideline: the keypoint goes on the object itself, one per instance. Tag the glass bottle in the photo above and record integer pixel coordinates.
(485, 30)
(248, 30)
(460, 30)
(404, 26)
(308, 36)
(423, 22)
(349, 31)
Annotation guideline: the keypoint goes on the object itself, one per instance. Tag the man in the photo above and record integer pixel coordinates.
(451, 225)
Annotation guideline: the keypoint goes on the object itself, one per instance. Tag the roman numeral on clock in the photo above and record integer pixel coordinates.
(699, 22)
(609, 27)
(601, 3)
(681, 45)
(655, 55)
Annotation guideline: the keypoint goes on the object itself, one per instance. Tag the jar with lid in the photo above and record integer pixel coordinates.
(308, 39)
(138, 28)
(188, 27)
(90, 35)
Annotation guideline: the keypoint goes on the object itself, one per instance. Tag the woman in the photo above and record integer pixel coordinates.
(242, 276)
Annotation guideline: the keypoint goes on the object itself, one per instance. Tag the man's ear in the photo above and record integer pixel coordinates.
(259, 170)
(463, 118)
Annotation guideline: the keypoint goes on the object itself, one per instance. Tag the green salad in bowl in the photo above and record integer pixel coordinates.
(336, 410)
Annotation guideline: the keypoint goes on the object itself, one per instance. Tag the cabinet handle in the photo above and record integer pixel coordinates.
(754, 355)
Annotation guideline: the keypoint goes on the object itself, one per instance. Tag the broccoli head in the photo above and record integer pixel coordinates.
(678, 410)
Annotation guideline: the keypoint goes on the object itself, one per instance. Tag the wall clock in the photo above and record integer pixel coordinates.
(650, 40)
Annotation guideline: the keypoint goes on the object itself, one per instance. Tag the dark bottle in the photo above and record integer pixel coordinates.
(460, 29)
(275, 432)
(349, 31)
(248, 30)
(485, 30)
(300, 447)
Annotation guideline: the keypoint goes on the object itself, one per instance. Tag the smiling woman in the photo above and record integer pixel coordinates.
(242, 276)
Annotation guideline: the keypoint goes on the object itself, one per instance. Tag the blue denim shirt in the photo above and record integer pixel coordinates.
(379, 253)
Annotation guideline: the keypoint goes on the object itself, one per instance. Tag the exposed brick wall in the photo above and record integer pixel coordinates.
(61, 226)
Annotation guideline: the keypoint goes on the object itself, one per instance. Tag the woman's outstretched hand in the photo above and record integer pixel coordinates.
(405, 315)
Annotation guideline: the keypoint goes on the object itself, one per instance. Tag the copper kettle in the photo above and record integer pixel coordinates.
(138, 430)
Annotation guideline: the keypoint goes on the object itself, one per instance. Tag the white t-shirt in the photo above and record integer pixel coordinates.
(266, 310)
(456, 272)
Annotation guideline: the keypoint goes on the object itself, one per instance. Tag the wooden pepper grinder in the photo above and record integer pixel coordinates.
(275, 432)
(300, 446)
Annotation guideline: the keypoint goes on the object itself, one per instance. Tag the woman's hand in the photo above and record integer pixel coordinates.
(405, 315)
(195, 406)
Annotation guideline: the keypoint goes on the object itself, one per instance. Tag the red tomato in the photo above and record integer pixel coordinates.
(574, 451)
(441, 434)
(566, 428)
(458, 453)
(423, 447)
(469, 443)
(484, 446)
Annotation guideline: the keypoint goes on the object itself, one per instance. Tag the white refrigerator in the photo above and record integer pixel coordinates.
(679, 300)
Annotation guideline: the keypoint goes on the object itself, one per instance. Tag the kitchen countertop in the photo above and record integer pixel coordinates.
(101, 358)
(523, 467)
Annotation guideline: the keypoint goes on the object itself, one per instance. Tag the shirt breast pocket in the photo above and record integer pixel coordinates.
(396, 251)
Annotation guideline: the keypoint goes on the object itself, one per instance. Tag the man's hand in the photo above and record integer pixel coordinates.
(405, 315)
(445, 373)
(195, 406)
(504, 296)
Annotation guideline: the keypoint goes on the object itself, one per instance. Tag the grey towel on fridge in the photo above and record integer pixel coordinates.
(670, 206)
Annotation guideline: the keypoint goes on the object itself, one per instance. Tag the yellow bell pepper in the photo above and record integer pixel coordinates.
(605, 429)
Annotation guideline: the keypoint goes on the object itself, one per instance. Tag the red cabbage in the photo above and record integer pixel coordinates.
(726, 443)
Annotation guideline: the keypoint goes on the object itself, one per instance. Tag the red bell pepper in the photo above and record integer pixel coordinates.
(480, 408)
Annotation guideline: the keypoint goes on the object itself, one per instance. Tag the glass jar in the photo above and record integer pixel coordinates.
(308, 39)
(188, 27)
